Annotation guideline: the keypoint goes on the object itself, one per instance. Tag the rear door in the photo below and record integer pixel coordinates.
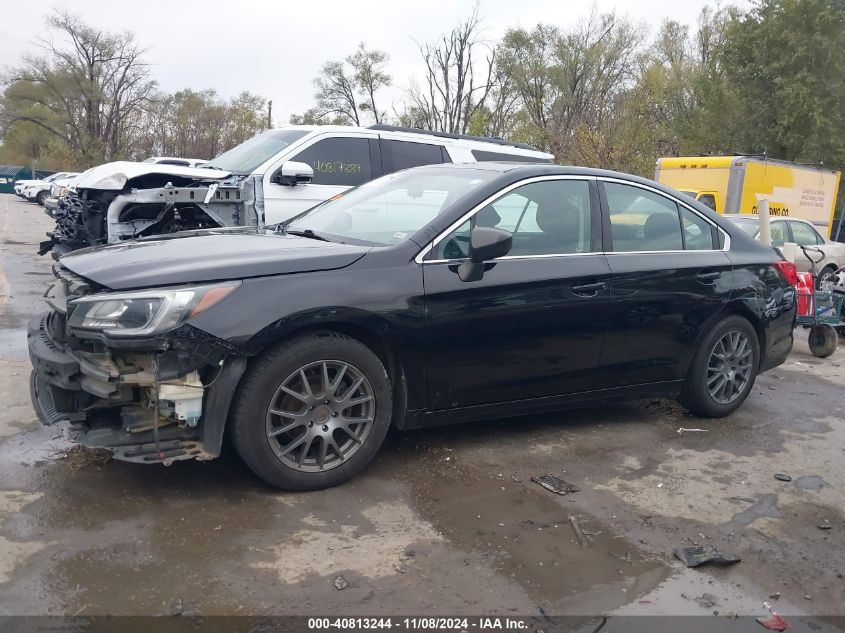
(397, 155)
(669, 277)
(533, 325)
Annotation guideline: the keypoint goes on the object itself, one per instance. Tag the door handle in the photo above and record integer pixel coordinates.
(589, 290)
(707, 276)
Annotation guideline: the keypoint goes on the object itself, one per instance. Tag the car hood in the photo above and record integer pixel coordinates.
(114, 176)
(212, 256)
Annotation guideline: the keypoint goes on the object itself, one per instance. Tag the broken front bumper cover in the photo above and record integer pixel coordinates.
(70, 385)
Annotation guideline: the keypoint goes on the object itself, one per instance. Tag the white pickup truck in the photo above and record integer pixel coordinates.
(266, 180)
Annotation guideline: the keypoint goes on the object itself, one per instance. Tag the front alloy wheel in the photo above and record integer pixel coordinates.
(312, 411)
(320, 416)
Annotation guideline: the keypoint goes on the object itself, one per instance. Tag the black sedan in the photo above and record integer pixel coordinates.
(435, 295)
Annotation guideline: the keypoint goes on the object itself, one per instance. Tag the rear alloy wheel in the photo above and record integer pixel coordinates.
(41, 197)
(723, 370)
(312, 412)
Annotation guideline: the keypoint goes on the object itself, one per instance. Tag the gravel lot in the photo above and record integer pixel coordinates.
(445, 521)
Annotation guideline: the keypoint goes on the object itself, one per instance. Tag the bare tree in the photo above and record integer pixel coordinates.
(459, 76)
(369, 76)
(85, 90)
(336, 93)
(340, 84)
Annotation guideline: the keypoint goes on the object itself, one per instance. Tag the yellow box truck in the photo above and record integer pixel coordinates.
(734, 184)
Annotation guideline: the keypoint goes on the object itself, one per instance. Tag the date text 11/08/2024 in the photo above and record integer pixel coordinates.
(480, 623)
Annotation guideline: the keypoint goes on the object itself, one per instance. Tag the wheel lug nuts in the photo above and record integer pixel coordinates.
(334, 414)
(326, 402)
(325, 427)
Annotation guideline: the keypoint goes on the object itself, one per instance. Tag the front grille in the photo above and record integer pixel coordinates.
(74, 285)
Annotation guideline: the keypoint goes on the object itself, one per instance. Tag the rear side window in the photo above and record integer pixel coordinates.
(804, 235)
(397, 155)
(641, 220)
(338, 161)
(483, 155)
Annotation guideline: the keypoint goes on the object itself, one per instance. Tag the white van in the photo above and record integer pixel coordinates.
(266, 180)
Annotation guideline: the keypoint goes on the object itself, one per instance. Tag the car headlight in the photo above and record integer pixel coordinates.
(115, 181)
(145, 312)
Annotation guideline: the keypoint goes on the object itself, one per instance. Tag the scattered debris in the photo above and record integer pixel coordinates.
(177, 608)
(660, 485)
(775, 595)
(579, 533)
(825, 525)
(782, 477)
(515, 479)
(747, 499)
(703, 554)
(400, 568)
(340, 583)
(554, 484)
(773, 621)
(682, 430)
(707, 600)
(79, 457)
(407, 553)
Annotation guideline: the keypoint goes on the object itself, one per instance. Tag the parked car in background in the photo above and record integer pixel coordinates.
(173, 160)
(22, 185)
(39, 191)
(269, 178)
(803, 233)
(59, 188)
(439, 294)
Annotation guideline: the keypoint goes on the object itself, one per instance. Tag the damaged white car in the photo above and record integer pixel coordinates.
(259, 182)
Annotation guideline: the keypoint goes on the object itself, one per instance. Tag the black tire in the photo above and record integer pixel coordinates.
(696, 396)
(823, 340)
(260, 386)
(41, 197)
(822, 277)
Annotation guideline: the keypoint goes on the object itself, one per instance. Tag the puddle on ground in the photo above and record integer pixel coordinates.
(525, 533)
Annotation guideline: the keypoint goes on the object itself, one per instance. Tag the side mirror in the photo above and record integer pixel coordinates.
(484, 244)
(292, 173)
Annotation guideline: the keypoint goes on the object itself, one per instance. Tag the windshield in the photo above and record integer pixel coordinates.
(244, 158)
(388, 210)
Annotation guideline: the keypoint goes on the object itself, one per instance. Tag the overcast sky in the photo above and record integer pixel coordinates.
(275, 48)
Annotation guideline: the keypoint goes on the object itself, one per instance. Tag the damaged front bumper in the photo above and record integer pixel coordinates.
(151, 400)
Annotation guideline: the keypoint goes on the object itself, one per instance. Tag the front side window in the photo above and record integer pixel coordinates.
(779, 236)
(390, 209)
(804, 235)
(641, 220)
(338, 161)
(398, 155)
(546, 218)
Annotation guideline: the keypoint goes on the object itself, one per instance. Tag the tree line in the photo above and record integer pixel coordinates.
(87, 97)
(607, 92)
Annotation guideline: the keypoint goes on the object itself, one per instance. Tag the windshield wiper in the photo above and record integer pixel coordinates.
(306, 233)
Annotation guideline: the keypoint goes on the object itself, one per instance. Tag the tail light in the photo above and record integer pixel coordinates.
(788, 271)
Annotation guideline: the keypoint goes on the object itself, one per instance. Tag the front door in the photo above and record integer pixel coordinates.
(339, 162)
(669, 278)
(533, 325)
